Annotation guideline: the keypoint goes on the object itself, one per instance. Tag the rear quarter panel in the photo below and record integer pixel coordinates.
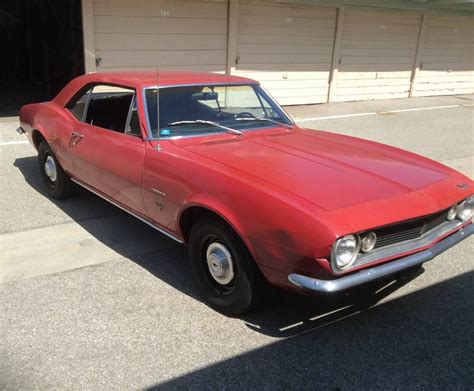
(54, 123)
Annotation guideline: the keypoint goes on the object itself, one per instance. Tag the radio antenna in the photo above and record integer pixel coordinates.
(157, 102)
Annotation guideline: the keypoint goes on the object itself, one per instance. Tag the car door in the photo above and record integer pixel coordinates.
(107, 147)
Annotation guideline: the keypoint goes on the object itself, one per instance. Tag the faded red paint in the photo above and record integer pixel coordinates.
(288, 193)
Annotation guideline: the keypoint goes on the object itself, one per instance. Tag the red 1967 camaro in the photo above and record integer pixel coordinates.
(214, 162)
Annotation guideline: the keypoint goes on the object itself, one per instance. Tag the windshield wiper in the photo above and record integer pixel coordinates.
(201, 121)
(264, 119)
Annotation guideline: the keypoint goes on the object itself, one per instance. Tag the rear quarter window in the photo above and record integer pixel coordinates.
(78, 103)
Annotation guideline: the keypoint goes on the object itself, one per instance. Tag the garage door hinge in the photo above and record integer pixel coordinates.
(98, 60)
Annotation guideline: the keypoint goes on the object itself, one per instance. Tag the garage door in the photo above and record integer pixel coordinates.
(288, 48)
(377, 55)
(144, 34)
(447, 57)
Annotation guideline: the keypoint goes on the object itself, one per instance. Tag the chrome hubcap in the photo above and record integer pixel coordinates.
(219, 262)
(50, 169)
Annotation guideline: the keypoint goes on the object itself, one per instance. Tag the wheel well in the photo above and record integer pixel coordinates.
(191, 215)
(37, 138)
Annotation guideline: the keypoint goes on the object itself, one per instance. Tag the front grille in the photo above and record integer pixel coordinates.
(409, 230)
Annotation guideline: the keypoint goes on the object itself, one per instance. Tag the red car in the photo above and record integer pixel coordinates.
(214, 162)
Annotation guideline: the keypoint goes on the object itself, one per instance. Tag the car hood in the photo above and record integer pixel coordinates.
(329, 170)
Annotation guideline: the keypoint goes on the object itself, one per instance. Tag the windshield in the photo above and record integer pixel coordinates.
(200, 110)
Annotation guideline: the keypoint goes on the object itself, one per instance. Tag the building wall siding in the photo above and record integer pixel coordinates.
(290, 48)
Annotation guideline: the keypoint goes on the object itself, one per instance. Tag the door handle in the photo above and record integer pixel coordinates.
(75, 138)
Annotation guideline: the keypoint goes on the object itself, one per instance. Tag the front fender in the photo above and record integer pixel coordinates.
(214, 205)
(279, 243)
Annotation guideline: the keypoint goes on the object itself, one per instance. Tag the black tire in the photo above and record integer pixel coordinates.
(248, 286)
(61, 186)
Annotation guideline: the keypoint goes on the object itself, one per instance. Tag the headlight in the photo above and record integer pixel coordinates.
(367, 243)
(345, 251)
(466, 209)
(452, 212)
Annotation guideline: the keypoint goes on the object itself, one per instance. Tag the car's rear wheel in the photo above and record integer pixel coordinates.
(57, 182)
(223, 268)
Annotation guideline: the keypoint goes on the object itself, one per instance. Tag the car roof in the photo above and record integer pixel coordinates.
(162, 78)
(141, 79)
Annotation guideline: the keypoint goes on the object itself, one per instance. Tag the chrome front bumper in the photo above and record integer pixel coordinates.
(377, 272)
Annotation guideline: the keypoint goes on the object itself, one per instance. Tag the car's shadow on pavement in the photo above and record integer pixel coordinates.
(281, 316)
(422, 340)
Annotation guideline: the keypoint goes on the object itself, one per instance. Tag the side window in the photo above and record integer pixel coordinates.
(78, 103)
(110, 107)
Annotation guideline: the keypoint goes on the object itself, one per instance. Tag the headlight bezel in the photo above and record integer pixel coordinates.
(335, 266)
(452, 213)
(370, 236)
(461, 206)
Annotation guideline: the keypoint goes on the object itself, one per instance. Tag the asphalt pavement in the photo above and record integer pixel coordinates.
(91, 298)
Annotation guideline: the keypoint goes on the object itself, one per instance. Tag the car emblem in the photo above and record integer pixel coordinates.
(462, 186)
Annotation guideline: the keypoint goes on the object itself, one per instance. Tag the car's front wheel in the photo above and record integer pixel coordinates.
(57, 182)
(223, 269)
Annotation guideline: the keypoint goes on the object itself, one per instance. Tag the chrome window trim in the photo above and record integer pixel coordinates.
(402, 247)
(273, 100)
(258, 93)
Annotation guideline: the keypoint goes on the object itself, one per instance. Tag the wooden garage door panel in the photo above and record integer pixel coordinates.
(286, 31)
(288, 21)
(287, 47)
(448, 51)
(304, 58)
(447, 58)
(399, 31)
(182, 9)
(448, 45)
(202, 68)
(285, 68)
(160, 42)
(297, 84)
(281, 76)
(146, 34)
(139, 59)
(354, 77)
(367, 16)
(370, 82)
(282, 10)
(376, 55)
(263, 39)
(374, 44)
(157, 25)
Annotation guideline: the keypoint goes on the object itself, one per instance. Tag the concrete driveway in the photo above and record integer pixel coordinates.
(92, 298)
